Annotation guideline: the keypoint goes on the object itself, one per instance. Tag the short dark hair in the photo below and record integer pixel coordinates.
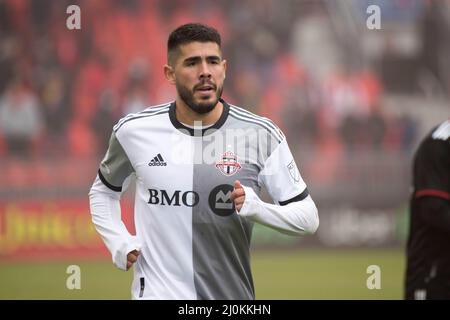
(191, 32)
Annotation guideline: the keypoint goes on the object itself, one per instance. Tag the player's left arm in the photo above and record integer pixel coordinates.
(435, 211)
(295, 213)
(432, 184)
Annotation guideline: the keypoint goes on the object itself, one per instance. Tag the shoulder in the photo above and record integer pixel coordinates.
(149, 113)
(441, 132)
(436, 145)
(439, 137)
(240, 114)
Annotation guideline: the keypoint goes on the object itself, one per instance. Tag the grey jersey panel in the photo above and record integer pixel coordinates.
(115, 166)
(220, 237)
(220, 240)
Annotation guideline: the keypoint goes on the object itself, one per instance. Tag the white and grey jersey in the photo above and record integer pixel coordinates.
(194, 244)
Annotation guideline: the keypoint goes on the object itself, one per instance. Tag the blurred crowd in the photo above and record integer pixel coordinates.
(62, 90)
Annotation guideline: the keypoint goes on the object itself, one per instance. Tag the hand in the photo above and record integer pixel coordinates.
(238, 195)
(132, 258)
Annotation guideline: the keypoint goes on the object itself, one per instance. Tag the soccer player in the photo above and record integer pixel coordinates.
(199, 164)
(428, 249)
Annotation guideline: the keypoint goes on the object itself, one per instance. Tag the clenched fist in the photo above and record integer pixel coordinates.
(132, 258)
(238, 195)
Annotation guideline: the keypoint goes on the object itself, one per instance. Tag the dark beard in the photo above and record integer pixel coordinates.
(188, 97)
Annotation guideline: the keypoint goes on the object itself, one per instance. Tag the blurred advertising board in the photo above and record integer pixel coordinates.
(50, 229)
(57, 229)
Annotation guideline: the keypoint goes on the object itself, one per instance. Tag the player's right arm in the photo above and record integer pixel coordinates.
(104, 199)
(295, 212)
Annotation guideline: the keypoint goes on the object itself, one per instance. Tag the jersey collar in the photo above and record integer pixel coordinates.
(177, 124)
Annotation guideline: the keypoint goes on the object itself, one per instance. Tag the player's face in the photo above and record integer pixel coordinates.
(198, 74)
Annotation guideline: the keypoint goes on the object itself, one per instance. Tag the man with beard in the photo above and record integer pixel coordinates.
(199, 165)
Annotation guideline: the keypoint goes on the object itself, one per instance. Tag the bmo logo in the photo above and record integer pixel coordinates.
(177, 198)
(220, 201)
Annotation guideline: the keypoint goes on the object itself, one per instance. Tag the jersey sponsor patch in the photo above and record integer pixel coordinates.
(220, 200)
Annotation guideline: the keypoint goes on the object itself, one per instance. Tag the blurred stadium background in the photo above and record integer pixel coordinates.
(352, 102)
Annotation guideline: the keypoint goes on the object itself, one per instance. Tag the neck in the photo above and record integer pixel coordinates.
(188, 116)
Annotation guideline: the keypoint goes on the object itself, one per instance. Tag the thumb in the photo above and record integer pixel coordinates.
(237, 184)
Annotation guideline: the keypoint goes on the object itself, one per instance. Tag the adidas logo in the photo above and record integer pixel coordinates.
(157, 161)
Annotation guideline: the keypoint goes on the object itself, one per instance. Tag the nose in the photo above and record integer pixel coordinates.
(204, 71)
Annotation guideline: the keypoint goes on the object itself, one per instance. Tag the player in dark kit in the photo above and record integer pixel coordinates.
(428, 250)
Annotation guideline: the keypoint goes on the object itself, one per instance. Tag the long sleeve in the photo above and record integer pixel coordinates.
(295, 218)
(106, 216)
(104, 198)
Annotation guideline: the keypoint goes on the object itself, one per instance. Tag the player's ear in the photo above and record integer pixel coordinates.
(169, 73)
(224, 68)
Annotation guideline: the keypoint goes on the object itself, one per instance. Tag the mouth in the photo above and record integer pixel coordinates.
(206, 89)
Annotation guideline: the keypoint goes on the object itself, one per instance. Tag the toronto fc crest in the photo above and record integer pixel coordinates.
(228, 164)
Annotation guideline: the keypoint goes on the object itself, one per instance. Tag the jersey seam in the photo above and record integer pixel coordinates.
(137, 117)
(259, 124)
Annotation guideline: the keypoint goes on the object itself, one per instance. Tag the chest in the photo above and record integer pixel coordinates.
(180, 162)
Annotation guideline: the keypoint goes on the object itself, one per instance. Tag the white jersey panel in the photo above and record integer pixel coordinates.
(163, 209)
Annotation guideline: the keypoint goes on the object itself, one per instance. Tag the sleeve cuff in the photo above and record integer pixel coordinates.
(106, 183)
(298, 197)
(250, 203)
(120, 260)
